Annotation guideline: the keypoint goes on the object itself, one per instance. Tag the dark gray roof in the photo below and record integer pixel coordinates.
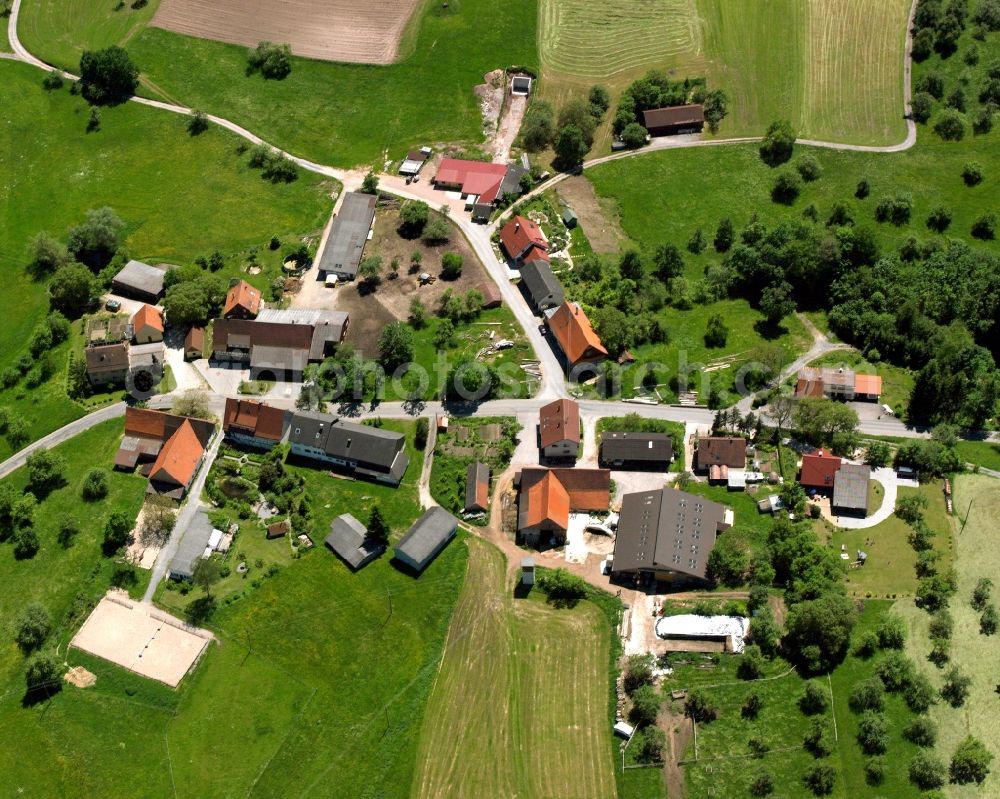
(477, 476)
(373, 448)
(278, 358)
(427, 535)
(667, 530)
(192, 546)
(511, 183)
(349, 539)
(649, 447)
(141, 277)
(850, 487)
(348, 234)
(327, 326)
(543, 286)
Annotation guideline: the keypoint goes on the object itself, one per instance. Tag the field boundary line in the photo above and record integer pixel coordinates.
(281, 744)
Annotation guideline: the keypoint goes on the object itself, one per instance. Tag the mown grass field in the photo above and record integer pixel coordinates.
(180, 197)
(977, 507)
(519, 707)
(835, 69)
(317, 685)
(342, 114)
(890, 572)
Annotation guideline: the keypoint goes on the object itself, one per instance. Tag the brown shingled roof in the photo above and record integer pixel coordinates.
(147, 423)
(674, 115)
(254, 419)
(559, 421)
(723, 451)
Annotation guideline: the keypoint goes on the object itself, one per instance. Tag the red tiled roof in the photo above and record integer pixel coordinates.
(559, 421)
(806, 387)
(574, 334)
(551, 494)
(868, 384)
(255, 418)
(178, 460)
(147, 316)
(520, 235)
(819, 469)
(474, 177)
(244, 296)
(147, 423)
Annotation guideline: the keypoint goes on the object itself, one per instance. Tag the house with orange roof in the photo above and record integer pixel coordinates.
(242, 301)
(867, 387)
(819, 470)
(147, 325)
(178, 462)
(837, 383)
(576, 338)
(559, 429)
(253, 423)
(523, 240)
(547, 497)
(167, 448)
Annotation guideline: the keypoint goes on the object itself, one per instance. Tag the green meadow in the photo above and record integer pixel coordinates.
(179, 196)
(342, 114)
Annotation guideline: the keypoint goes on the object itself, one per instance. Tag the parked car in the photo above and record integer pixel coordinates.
(113, 305)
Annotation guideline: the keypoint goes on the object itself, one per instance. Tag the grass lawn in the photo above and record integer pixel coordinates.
(343, 114)
(710, 368)
(850, 759)
(972, 652)
(889, 571)
(179, 196)
(985, 453)
(519, 707)
(64, 579)
(746, 517)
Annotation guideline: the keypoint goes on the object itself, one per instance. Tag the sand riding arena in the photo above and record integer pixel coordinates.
(359, 31)
(141, 639)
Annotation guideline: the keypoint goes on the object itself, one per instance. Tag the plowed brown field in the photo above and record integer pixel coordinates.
(360, 31)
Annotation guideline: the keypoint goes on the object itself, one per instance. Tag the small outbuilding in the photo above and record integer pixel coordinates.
(194, 344)
(426, 538)
(520, 86)
(139, 281)
(349, 540)
(674, 119)
(527, 571)
(569, 217)
(477, 488)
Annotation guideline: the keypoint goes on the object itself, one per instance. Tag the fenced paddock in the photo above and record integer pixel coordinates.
(141, 639)
(329, 30)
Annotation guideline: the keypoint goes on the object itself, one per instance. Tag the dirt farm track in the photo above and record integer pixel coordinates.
(359, 31)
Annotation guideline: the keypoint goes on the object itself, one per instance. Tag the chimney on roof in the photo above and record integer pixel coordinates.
(517, 225)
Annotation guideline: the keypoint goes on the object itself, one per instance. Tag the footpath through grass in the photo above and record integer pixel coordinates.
(342, 114)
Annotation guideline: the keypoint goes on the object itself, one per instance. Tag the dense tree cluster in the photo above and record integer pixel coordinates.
(657, 90)
(272, 61)
(107, 77)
